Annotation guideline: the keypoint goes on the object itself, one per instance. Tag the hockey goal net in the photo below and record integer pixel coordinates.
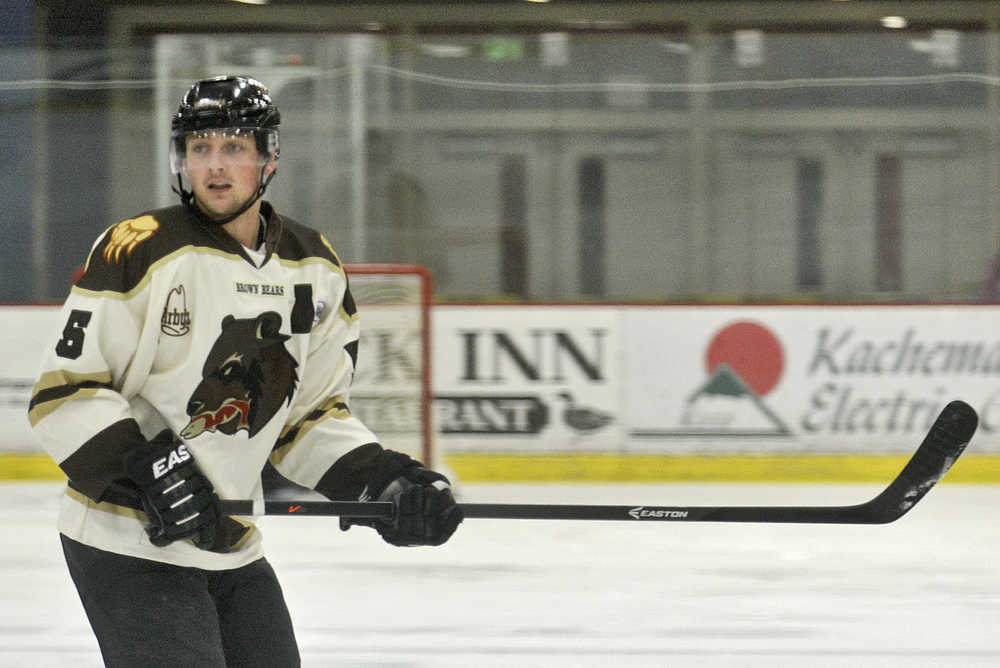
(392, 385)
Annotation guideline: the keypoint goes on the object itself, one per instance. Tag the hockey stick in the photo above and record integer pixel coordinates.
(942, 445)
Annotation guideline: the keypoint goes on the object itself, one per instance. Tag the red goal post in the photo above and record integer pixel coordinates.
(391, 392)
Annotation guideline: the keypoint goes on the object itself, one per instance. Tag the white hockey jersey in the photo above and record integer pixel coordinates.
(173, 325)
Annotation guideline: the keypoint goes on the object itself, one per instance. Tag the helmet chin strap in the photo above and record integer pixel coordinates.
(187, 198)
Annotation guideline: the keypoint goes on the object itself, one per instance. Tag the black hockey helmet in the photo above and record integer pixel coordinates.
(227, 101)
(232, 104)
(237, 102)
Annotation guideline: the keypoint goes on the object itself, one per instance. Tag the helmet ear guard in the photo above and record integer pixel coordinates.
(233, 105)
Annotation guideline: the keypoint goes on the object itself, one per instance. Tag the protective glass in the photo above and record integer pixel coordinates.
(222, 147)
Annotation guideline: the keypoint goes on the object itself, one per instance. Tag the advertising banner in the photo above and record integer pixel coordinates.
(23, 332)
(657, 379)
(864, 379)
(528, 378)
(711, 379)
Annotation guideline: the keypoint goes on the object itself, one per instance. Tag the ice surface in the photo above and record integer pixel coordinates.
(922, 592)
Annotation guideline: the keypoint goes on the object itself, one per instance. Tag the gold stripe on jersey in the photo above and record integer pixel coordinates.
(347, 317)
(322, 239)
(138, 287)
(246, 535)
(61, 377)
(201, 250)
(55, 388)
(105, 507)
(229, 526)
(311, 260)
(348, 310)
(334, 407)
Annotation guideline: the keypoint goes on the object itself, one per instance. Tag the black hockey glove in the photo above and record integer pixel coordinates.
(425, 511)
(180, 502)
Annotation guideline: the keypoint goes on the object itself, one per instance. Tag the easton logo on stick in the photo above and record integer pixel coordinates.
(642, 513)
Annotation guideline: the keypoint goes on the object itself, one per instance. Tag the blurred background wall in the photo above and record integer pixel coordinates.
(560, 151)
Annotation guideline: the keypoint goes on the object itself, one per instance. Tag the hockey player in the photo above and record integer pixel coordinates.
(202, 341)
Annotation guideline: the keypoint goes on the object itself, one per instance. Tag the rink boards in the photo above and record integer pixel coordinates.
(679, 392)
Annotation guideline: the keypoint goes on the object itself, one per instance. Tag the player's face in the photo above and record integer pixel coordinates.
(224, 170)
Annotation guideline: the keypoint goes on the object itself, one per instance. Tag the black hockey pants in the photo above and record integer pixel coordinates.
(149, 614)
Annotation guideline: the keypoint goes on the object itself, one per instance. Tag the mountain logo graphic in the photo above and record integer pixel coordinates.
(744, 362)
(726, 405)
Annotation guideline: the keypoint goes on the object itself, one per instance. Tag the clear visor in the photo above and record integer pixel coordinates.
(222, 147)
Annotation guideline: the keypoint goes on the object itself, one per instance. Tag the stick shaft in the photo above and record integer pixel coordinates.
(527, 511)
(810, 515)
(942, 445)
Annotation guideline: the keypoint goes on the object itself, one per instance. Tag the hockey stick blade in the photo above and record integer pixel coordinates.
(947, 438)
(944, 443)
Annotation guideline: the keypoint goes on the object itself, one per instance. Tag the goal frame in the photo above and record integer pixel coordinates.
(426, 292)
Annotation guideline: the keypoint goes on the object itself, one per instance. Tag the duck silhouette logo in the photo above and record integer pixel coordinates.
(581, 419)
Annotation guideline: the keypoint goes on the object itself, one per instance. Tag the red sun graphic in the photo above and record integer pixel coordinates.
(750, 350)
